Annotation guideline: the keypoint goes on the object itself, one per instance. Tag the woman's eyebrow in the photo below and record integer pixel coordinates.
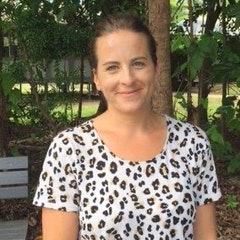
(132, 60)
(139, 58)
(110, 62)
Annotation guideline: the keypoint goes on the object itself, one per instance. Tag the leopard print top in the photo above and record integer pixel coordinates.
(121, 199)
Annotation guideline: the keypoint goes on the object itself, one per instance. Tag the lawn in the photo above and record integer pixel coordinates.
(89, 107)
(214, 101)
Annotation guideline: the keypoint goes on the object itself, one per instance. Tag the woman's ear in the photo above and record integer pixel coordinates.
(95, 79)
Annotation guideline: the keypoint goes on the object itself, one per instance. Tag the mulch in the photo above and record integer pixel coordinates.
(228, 216)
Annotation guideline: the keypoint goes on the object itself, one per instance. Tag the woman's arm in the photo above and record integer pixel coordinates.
(205, 223)
(59, 225)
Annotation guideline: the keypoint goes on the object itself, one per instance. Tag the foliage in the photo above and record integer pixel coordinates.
(228, 64)
(232, 202)
(10, 76)
(51, 30)
(222, 53)
(44, 31)
(206, 46)
(230, 112)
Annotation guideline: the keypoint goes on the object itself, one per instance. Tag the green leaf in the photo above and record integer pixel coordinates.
(180, 42)
(232, 202)
(208, 46)
(180, 69)
(215, 135)
(7, 83)
(15, 96)
(204, 103)
(238, 82)
(234, 165)
(234, 124)
(237, 21)
(195, 62)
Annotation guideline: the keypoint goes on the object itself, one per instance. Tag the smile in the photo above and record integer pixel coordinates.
(130, 92)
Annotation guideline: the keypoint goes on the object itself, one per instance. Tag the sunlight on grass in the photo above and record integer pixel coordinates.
(26, 88)
(214, 101)
(88, 109)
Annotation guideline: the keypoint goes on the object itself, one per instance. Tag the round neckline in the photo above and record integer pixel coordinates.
(129, 161)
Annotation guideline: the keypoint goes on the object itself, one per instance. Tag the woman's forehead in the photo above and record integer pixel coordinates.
(122, 44)
(121, 37)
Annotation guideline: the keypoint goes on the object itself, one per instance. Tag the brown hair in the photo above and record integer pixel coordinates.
(121, 21)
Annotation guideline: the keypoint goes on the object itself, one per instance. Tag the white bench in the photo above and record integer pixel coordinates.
(13, 184)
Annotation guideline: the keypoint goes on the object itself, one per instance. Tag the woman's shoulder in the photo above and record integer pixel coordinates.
(185, 129)
(80, 130)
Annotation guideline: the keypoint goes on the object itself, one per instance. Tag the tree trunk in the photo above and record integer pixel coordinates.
(3, 119)
(224, 82)
(203, 92)
(213, 12)
(159, 23)
(192, 111)
(80, 101)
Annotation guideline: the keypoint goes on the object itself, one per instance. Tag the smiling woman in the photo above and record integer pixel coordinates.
(128, 173)
(126, 80)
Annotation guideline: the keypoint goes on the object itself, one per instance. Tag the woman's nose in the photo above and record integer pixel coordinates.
(127, 76)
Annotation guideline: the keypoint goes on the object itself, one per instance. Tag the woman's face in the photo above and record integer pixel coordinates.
(125, 71)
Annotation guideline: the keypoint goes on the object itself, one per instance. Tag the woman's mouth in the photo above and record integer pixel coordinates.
(129, 93)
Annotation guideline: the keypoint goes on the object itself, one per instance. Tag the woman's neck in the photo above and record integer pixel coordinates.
(128, 123)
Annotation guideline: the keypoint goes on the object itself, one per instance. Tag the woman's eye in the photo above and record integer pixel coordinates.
(112, 68)
(139, 64)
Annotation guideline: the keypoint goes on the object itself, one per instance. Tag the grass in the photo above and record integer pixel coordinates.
(214, 101)
(89, 108)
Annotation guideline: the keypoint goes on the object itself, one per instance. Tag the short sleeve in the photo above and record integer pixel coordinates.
(57, 188)
(206, 187)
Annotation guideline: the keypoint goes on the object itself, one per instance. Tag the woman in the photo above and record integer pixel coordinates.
(129, 173)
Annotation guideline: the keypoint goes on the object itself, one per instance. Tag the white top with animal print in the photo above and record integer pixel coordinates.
(121, 199)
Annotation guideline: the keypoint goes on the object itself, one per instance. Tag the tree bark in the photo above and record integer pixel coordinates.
(159, 23)
(213, 12)
(3, 118)
(192, 112)
(80, 101)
